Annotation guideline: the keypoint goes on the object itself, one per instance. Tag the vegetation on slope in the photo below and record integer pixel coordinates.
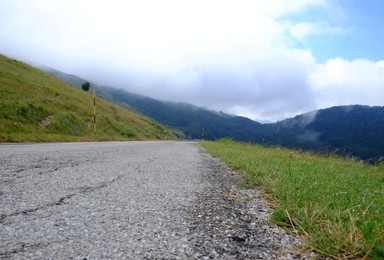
(344, 130)
(335, 204)
(191, 121)
(35, 106)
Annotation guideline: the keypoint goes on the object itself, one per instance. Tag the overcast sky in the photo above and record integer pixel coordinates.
(264, 59)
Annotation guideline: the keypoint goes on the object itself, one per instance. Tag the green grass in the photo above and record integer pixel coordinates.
(336, 204)
(36, 107)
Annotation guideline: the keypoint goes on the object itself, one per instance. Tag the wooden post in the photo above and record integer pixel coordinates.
(94, 111)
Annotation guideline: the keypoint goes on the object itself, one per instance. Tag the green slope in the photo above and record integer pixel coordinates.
(35, 106)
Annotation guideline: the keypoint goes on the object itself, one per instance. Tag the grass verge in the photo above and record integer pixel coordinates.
(335, 204)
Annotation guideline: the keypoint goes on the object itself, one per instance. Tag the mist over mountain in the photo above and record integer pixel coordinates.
(346, 130)
(349, 130)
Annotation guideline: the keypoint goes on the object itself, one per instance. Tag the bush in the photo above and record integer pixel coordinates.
(129, 133)
(32, 113)
(86, 86)
(67, 124)
(226, 140)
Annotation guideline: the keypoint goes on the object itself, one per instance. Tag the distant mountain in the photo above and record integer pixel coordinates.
(190, 121)
(186, 120)
(74, 80)
(353, 130)
(70, 79)
(346, 130)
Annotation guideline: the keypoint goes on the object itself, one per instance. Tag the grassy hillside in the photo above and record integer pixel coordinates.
(335, 204)
(35, 106)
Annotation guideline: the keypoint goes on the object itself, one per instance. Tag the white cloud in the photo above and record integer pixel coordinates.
(342, 82)
(151, 34)
(302, 30)
(232, 55)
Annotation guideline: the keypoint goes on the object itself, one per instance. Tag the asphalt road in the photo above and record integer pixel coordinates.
(130, 200)
(98, 200)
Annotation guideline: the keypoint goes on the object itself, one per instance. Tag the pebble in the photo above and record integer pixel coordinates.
(236, 221)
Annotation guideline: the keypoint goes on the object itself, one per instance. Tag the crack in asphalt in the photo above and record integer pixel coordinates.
(129, 200)
(88, 189)
(82, 190)
(3, 217)
(22, 248)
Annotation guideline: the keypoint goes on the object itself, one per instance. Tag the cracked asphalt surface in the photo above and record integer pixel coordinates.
(130, 200)
(97, 200)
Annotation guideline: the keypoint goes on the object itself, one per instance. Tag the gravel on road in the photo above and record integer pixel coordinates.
(130, 200)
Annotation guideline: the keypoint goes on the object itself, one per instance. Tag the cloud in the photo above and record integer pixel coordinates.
(237, 56)
(147, 34)
(342, 82)
(302, 31)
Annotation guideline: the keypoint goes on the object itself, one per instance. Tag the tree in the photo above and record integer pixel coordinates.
(86, 86)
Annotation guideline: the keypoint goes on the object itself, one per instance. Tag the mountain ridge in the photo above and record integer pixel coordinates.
(353, 130)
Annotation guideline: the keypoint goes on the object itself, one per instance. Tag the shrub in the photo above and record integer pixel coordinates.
(32, 113)
(129, 133)
(86, 86)
(226, 140)
(67, 124)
